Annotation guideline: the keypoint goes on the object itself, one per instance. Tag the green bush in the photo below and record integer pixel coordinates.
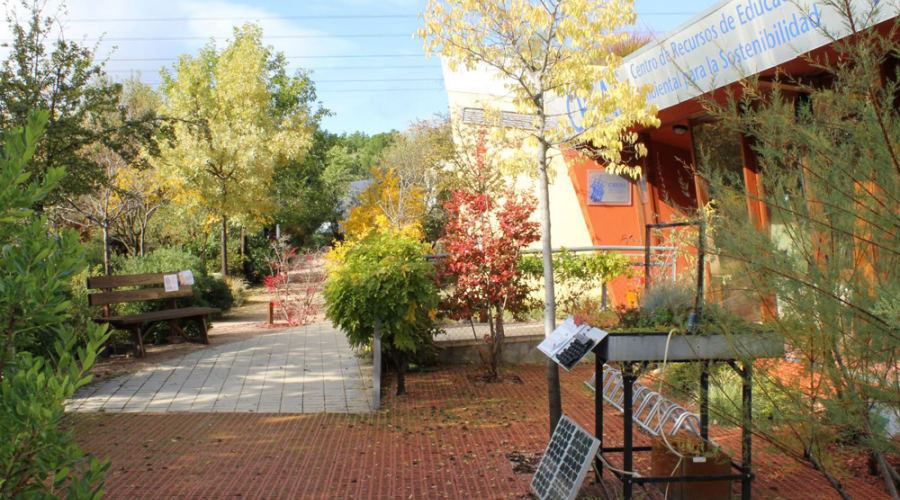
(210, 292)
(161, 261)
(37, 459)
(385, 277)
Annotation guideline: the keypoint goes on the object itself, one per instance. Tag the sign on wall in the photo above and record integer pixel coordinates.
(728, 41)
(607, 189)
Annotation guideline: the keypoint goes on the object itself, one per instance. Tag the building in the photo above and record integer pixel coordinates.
(706, 56)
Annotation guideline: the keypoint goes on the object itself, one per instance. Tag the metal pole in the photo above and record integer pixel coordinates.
(746, 436)
(376, 359)
(598, 413)
(646, 257)
(704, 401)
(628, 404)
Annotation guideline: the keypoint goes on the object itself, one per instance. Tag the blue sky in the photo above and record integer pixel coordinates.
(368, 69)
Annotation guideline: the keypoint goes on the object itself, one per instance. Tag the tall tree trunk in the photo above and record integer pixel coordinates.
(203, 254)
(106, 248)
(553, 390)
(402, 362)
(144, 221)
(245, 262)
(224, 245)
(497, 344)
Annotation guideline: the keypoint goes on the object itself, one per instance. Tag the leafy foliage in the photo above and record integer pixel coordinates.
(578, 275)
(390, 204)
(542, 53)
(240, 116)
(63, 78)
(385, 278)
(295, 281)
(405, 195)
(484, 239)
(826, 269)
(37, 459)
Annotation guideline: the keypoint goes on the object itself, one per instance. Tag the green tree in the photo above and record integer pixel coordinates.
(830, 187)
(37, 459)
(544, 52)
(238, 115)
(385, 278)
(309, 193)
(64, 78)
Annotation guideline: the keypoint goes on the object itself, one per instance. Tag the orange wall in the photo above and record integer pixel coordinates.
(607, 225)
(670, 190)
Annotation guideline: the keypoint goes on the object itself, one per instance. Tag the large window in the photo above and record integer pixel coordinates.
(717, 152)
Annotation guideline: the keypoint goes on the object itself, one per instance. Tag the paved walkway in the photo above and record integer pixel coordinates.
(307, 369)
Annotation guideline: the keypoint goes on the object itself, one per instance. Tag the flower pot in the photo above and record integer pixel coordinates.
(700, 459)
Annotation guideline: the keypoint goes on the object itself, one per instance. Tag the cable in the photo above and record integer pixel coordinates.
(173, 58)
(290, 18)
(246, 18)
(620, 471)
(265, 37)
(311, 68)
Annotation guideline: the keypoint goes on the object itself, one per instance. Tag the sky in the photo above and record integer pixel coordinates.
(368, 69)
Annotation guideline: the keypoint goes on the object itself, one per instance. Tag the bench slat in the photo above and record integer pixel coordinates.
(186, 312)
(126, 280)
(102, 299)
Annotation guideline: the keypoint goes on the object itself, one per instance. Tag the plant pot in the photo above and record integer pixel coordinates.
(700, 459)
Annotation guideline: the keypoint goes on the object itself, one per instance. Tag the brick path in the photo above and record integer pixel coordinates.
(448, 438)
(307, 369)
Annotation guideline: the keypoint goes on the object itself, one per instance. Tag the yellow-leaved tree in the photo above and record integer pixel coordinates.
(549, 54)
(238, 116)
(392, 204)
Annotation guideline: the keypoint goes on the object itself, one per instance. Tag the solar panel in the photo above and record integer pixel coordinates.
(565, 463)
(570, 343)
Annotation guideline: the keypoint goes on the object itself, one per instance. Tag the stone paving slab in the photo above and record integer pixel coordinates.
(308, 369)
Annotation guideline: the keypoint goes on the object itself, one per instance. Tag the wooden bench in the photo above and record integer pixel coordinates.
(151, 288)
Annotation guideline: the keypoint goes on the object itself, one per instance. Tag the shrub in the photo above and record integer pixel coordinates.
(385, 277)
(37, 459)
(160, 261)
(295, 282)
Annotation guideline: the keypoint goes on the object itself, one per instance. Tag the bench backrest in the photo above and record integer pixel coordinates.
(153, 284)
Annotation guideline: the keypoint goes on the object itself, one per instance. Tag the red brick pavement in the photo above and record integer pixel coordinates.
(448, 438)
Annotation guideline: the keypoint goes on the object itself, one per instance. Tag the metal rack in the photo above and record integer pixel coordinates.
(642, 349)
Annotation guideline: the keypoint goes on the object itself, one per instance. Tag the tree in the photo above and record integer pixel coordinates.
(544, 52)
(38, 459)
(385, 280)
(487, 230)
(239, 116)
(126, 191)
(63, 78)
(830, 185)
(407, 181)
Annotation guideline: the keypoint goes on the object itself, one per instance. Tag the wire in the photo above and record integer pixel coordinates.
(620, 471)
(148, 59)
(265, 37)
(290, 18)
(311, 68)
(256, 18)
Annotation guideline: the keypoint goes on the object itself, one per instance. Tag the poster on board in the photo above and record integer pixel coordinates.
(607, 189)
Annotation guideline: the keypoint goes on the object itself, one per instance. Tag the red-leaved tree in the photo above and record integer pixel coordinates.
(296, 282)
(489, 225)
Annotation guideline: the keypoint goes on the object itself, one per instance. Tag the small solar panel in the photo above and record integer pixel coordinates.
(565, 463)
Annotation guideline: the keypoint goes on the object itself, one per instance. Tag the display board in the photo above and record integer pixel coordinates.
(570, 343)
